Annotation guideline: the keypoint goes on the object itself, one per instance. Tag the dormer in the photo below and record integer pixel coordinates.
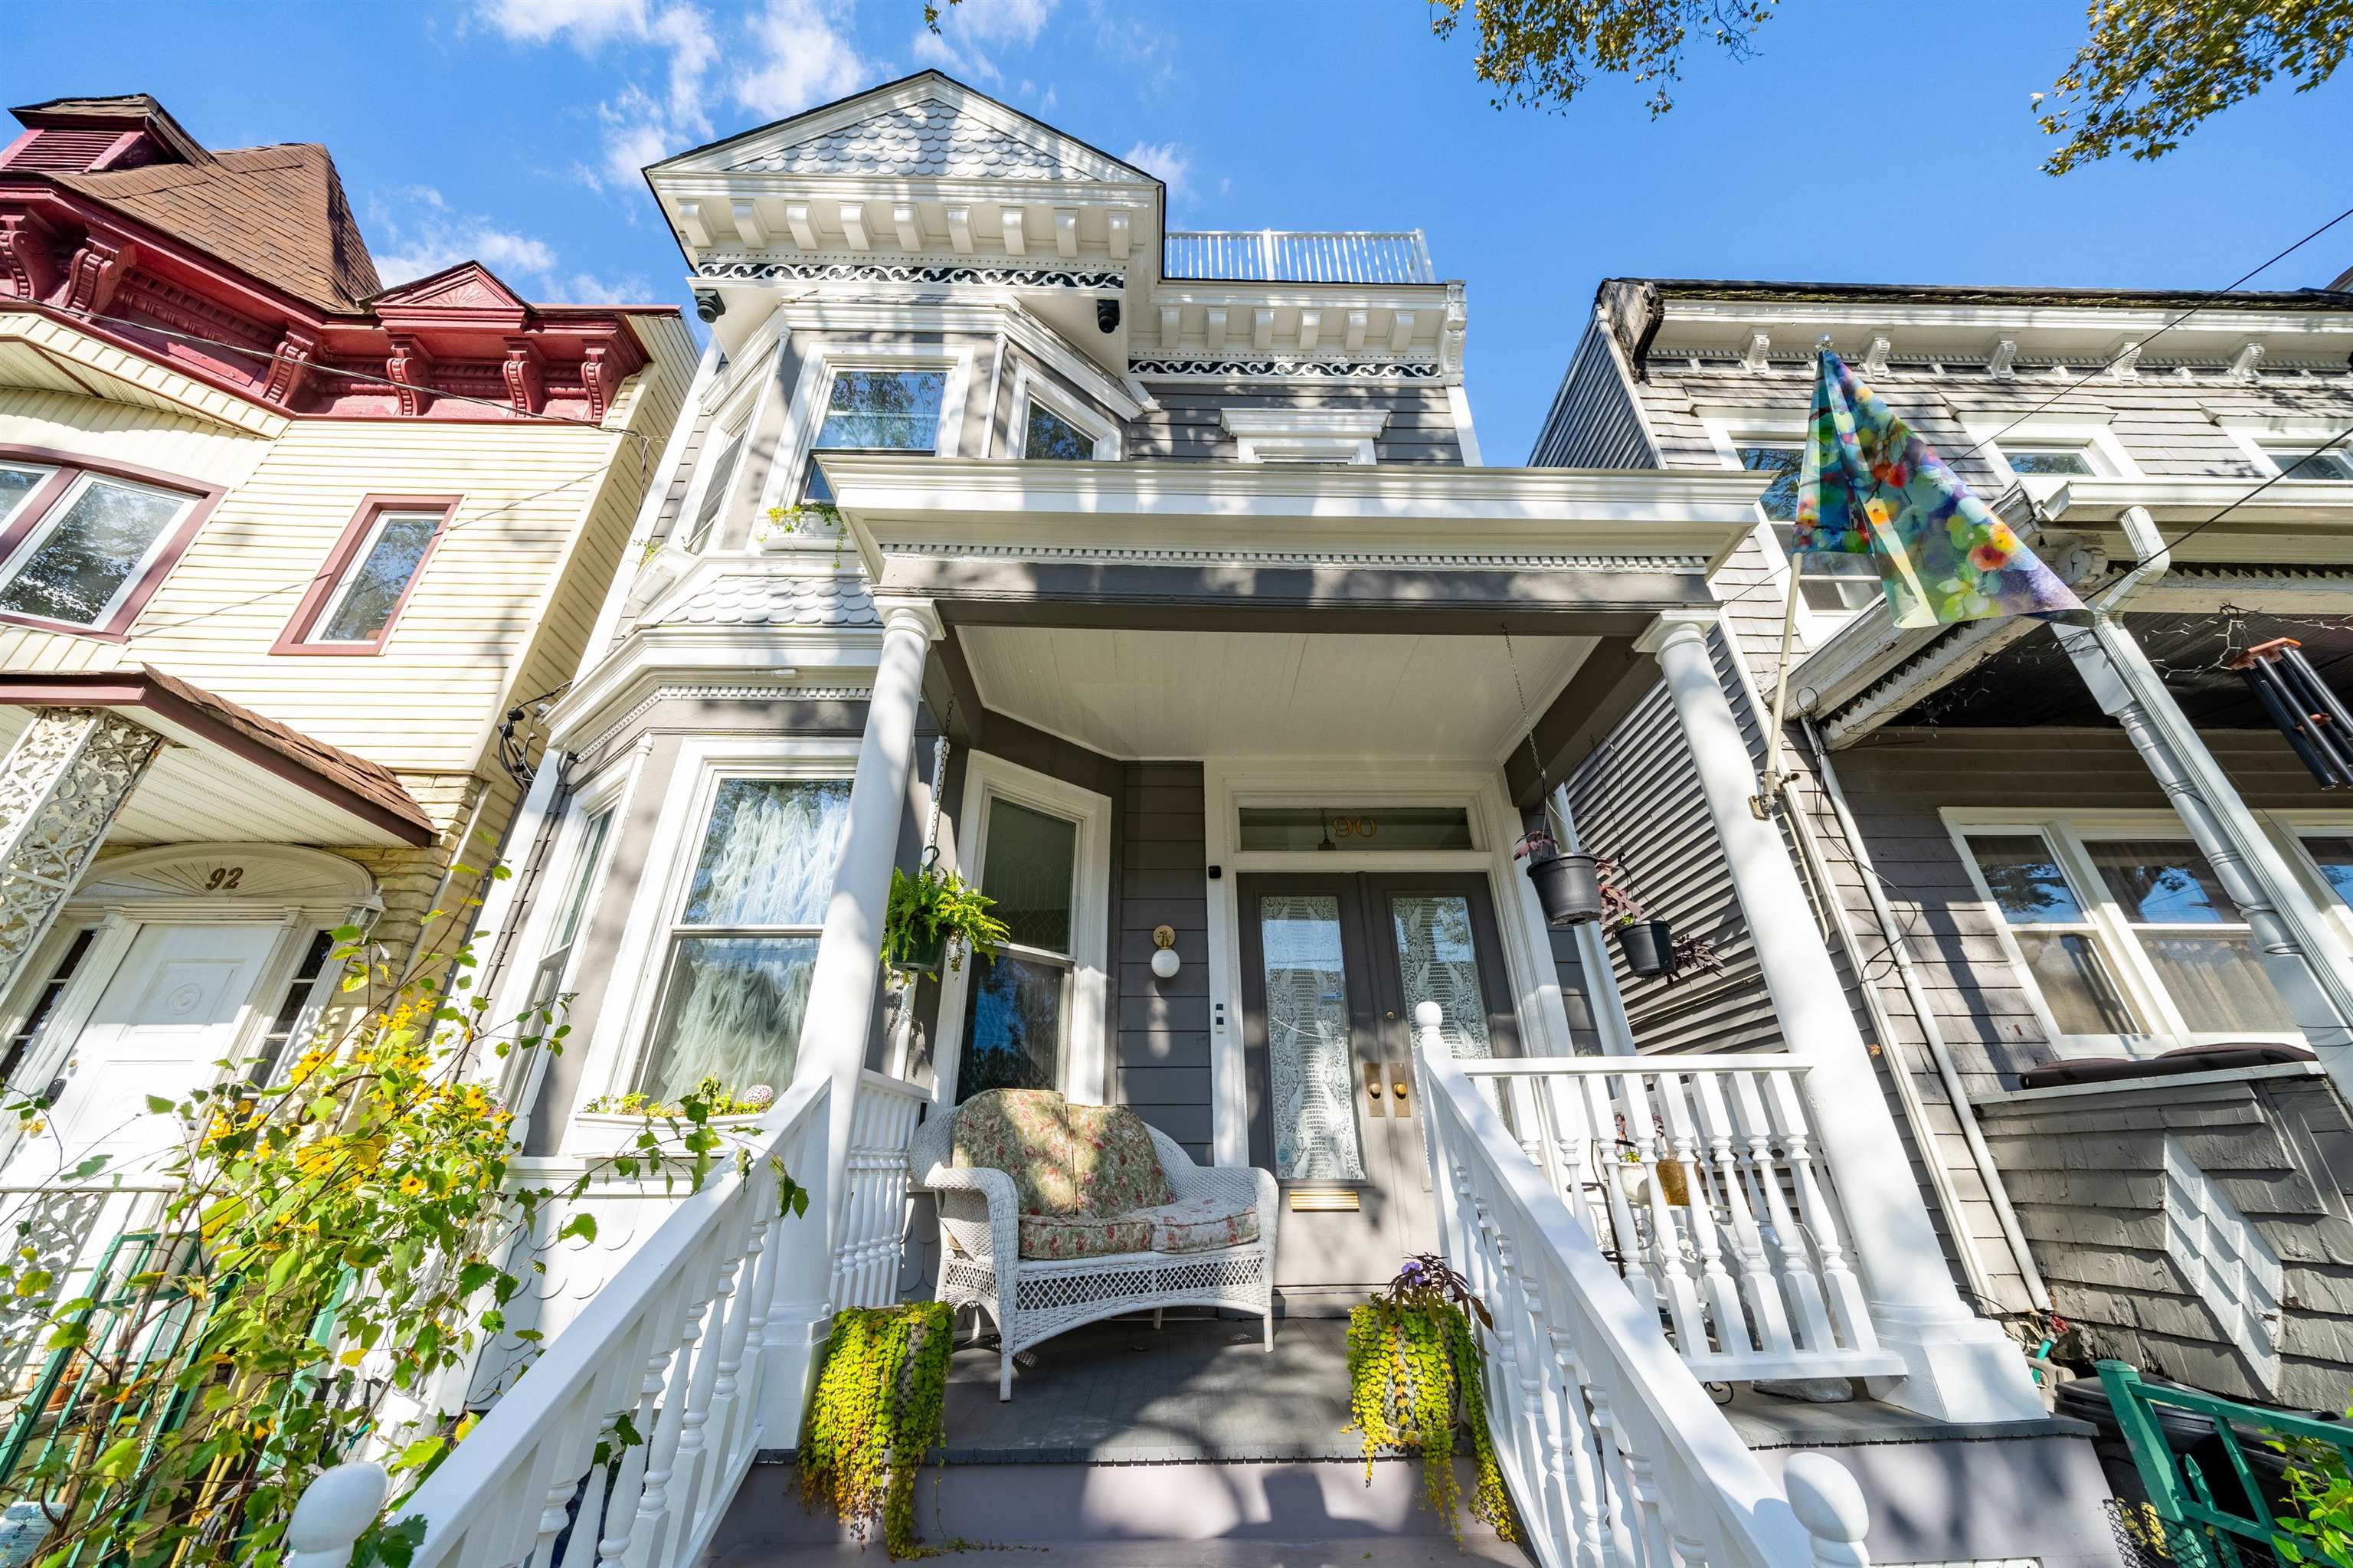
(94, 135)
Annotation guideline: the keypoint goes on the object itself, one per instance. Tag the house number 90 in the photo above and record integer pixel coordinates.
(224, 879)
(1355, 827)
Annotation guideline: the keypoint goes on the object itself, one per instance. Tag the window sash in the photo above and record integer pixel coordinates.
(355, 568)
(2334, 463)
(813, 488)
(38, 474)
(55, 516)
(2031, 458)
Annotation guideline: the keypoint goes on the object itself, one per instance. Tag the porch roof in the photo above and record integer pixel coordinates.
(229, 772)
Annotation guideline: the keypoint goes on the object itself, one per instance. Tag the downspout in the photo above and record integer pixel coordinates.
(1931, 1032)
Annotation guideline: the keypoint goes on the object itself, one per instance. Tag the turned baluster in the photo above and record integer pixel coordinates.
(1666, 1248)
(1767, 1316)
(1804, 1291)
(695, 1463)
(663, 1319)
(1848, 1313)
(1574, 1460)
(1720, 1292)
(705, 1433)
(651, 1535)
(1634, 1259)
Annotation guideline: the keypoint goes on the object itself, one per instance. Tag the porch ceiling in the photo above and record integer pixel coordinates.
(1132, 693)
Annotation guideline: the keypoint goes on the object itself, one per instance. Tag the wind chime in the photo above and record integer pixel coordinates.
(2300, 703)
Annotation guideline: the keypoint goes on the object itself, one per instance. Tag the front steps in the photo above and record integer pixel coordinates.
(1122, 1441)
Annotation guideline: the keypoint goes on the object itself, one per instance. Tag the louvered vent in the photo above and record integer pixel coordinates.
(54, 147)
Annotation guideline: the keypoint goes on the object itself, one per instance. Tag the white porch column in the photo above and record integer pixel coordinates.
(1963, 1368)
(2301, 953)
(60, 789)
(843, 986)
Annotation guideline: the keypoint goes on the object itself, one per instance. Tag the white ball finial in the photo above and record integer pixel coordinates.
(1828, 1503)
(333, 1513)
(1428, 1015)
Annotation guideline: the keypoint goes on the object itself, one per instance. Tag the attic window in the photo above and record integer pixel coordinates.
(1305, 435)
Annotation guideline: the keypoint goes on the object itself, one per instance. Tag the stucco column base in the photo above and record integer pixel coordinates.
(1958, 1362)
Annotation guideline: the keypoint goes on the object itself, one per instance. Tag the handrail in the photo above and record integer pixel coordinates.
(1702, 1173)
(2188, 1507)
(1613, 1451)
(1299, 255)
(675, 1344)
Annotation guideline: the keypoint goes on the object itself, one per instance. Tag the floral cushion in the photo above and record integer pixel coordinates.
(1199, 1224)
(1064, 1158)
(1083, 1235)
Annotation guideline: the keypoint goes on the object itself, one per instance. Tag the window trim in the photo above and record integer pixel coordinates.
(623, 1031)
(2108, 458)
(340, 558)
(813, 397)
(1028, 383)
(2255, 432)
(2069, 835)
(1728, 431)
(68, 468)
(1085, 1067)
(1305, 435)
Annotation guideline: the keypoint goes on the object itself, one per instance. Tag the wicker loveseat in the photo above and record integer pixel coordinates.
(1053, 1215)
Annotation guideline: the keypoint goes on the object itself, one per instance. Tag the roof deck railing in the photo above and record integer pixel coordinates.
(1300, 256)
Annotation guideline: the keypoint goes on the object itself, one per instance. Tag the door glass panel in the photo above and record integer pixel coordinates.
(1012, 1026)
(1437, 961)
(1030, 858)
(1314, 1097)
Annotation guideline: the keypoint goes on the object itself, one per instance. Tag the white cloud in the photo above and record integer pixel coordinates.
(973, 31)
(423, 236)
(586, 22)
(802, 56)
(1169, 159)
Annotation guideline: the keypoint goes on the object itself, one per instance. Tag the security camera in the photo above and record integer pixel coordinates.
(1107, 315)
(709, 306)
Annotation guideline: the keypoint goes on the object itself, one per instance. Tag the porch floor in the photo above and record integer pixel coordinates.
(1195, 1390)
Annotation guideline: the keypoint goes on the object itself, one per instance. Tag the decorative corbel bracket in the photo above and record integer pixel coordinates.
(411, 369)
(96, 271)
(526, 376)
(290, 366)
(28, 254)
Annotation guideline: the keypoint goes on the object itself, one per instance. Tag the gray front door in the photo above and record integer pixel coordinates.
(1333, 968)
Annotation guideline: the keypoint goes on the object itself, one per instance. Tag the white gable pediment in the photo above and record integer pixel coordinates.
(927, 127)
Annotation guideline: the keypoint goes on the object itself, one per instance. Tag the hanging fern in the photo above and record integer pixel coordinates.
(1412, 1361)
(934, 907)
(875, 1414)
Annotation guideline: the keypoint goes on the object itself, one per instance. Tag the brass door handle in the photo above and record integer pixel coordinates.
(1397, 1088)
(1372, 1088)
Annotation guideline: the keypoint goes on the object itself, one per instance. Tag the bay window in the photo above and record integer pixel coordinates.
(84, 547)
(742, 941)
(869, 410)
(2124, 934)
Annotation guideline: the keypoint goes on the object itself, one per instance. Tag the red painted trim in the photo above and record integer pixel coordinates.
(19, 145)
(146, 690)
(71, 466)
(340, 560)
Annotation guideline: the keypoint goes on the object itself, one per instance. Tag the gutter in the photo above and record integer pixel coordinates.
(1931, 1031)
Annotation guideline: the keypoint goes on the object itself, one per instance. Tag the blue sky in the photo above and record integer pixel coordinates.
(1875, 142)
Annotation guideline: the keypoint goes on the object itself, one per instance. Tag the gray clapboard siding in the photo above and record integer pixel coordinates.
(1421, 425)
(1161, 1028)
(1593, 422)
(2086, 1174)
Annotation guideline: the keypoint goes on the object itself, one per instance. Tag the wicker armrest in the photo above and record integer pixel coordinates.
(1235, 1184)
(977, 1209)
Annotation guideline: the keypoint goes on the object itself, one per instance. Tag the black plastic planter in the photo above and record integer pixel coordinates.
(921, 955)
(1649, 946)
(1567, 885)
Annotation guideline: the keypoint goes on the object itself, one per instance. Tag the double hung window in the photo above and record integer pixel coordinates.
(1831, 585)
(877, 411)
(1052, 437)
(82, 548)
(743, 941)
(368, 576)
(2312, 461)
(571, 916)
(2126, 935)
(1018, 1007)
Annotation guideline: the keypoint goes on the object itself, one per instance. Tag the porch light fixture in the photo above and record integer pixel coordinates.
(1165, 962)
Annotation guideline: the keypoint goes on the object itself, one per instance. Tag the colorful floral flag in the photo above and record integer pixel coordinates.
(1869, 483)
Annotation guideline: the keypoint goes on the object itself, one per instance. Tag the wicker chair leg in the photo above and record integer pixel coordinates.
(1004, 1377)
(1267, 1317)
(1156, 1317)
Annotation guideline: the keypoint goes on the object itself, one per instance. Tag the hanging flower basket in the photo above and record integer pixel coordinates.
(930, 913)
(1567, 885)
(922, 952)
(1649, 946)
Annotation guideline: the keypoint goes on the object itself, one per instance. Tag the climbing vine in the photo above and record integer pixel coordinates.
(875, 1414)
(1413, 1365)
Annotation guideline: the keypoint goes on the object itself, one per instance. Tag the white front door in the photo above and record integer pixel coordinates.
(169, 1015)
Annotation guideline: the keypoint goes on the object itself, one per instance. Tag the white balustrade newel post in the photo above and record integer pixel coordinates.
(333, 1513)
(1962, 1366)
(843, 985)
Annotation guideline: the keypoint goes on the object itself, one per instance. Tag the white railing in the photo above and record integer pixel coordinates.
(1700, 1174)
(874, 1199)
(68, 1228)
(676, 1342)
(1299, 255)
(1615, 1456)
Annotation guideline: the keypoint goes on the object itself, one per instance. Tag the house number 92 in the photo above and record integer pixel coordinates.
(224, 879)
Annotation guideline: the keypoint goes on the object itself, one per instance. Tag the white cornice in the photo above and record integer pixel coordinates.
(655, 656)
(919, 503)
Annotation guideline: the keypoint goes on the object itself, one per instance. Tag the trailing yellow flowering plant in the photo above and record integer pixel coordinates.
(334, 1246)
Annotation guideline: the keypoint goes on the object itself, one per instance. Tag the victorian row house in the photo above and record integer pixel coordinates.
(2086, 894)
(281, 552)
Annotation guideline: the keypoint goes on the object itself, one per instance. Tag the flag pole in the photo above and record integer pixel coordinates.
(1769, 785)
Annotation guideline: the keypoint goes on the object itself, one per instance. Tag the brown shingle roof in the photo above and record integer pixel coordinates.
(279, 213)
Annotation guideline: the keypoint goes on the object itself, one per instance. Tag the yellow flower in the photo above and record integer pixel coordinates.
(411, 1184)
